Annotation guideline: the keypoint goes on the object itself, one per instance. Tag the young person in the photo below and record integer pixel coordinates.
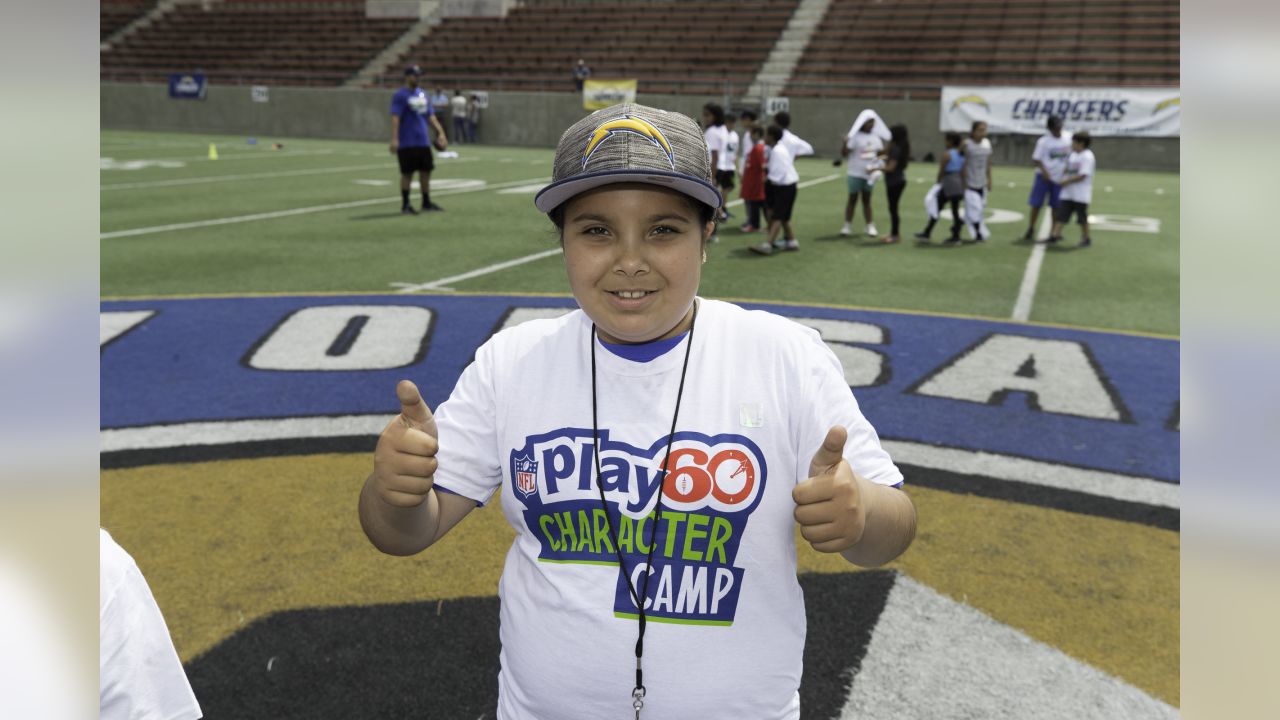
(753, 178)
(411, 112)
(897, 157)
(717, 139)
(458, 111)
(950, 189)
(1077, 189)
(977, 179)
(675, 444)
(728, 161)
(784, 179)
(1049, 159)
(863, 145)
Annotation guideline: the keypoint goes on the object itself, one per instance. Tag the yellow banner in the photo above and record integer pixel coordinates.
(600, 94)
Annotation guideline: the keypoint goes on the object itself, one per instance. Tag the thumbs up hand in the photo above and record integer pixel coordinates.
(404, 462)
(829, 504)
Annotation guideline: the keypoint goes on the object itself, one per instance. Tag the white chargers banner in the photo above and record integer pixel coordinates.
(1114, 111)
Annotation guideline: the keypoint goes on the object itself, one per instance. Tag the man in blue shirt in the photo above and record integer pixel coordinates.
(411, 110)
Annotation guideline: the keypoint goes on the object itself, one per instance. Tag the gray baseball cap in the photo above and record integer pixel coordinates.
(631, 143)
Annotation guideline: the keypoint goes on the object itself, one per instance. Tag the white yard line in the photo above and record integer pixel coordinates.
(442, 283)
(243, 176)
(294, 211)
(1031, 277)
(228, 155)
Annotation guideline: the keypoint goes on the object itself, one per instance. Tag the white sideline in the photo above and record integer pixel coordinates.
(294, 211)
(966, 462)
(442, 283)
(1031, 277)
(243, 176)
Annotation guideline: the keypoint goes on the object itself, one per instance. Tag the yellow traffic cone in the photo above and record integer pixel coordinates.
(213, 151)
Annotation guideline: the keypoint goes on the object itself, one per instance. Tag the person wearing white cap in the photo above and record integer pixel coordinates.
(863, 145)
(655, 451)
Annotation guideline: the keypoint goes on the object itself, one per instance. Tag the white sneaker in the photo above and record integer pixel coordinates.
(871, 229)
(764, 248)
(792, 244)
(845, 230)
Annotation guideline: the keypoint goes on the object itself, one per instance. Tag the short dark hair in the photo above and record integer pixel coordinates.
(730, 117)
(1083, 138)
(782, 119)
(748, 115)
(757, 130)
(717, 113)
(774, 132)
(976, 123)
(953, 139)
(1054, 123)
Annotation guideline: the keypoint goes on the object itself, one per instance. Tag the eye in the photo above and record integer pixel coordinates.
(596, 230)
(665, 230)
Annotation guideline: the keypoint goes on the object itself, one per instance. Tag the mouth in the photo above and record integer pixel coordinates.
(631, 294)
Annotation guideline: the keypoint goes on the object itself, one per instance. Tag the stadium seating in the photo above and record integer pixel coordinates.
(282, 43)
(115, 14)
(686, 46)
(898, 47)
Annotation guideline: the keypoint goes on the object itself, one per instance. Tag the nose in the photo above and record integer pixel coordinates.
(631, 260)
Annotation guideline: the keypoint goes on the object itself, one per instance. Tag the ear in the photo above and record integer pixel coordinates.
(707, 231)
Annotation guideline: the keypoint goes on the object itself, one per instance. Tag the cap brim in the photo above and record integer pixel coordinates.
(553, 195)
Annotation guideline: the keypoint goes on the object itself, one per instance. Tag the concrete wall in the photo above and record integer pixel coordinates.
(537, 119)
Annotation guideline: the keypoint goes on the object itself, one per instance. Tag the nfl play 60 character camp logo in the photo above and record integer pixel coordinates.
(709, 487)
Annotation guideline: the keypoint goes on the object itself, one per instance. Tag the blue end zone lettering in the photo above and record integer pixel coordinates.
(188, 367)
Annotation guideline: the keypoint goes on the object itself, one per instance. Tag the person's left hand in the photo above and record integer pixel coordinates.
(829, 504)
(441, 143)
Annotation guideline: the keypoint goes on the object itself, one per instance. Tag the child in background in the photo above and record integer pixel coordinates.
(951, 188)
(715, 136)
(748, 118)
(977, 179)
(753, 175)
(728, 160)
(862, 146)
(895, 173)
(1077, 189)
(783, 176)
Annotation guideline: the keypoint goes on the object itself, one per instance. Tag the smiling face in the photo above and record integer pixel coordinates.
(633, 253)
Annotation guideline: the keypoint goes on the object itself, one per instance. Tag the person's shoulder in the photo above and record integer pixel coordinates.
(114, 563)
(519, 339)
(760, 326)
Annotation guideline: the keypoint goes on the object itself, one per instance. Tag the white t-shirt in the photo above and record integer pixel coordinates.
(863, 148)
(1053, 152)
(458, 106)
(715, 138)
(729, 158)
(795, 144)
(726, 626)
(782, 166)
(1079, 163)
(140, 675)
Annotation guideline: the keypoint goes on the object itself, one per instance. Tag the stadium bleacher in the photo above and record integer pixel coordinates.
(236, 42)
(113, 15)
(669, 47)
(861, 48)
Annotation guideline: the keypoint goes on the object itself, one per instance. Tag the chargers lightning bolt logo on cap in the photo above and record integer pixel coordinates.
(628, 124)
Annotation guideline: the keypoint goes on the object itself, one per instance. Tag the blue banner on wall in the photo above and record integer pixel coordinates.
(187, 86)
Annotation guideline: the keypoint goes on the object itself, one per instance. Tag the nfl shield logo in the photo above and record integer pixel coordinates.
(525, 471)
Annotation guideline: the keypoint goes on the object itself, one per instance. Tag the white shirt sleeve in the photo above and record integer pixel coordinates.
(1040, 154)
(828, 402)
(468, 462)
(140, 675)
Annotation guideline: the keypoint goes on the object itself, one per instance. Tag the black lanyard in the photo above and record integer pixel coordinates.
(637, 695)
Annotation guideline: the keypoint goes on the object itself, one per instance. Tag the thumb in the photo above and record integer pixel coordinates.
(831, 452)
(413, 409)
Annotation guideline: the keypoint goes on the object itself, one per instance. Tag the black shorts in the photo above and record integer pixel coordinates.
(415, 159)
(784, 198)
(768, 194)
(724, 179)
(1066, 208)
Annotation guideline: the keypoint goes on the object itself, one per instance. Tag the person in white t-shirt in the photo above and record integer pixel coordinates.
(863, 145)
(630, 588)
(140, 675)
(1049, 159)
(717, 139)
(782, 175)
(1077, 189)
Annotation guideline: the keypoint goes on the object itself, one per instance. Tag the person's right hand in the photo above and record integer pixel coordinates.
(404, 462)
(395, 146)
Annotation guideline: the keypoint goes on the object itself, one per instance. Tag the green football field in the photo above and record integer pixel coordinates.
(322, 216)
